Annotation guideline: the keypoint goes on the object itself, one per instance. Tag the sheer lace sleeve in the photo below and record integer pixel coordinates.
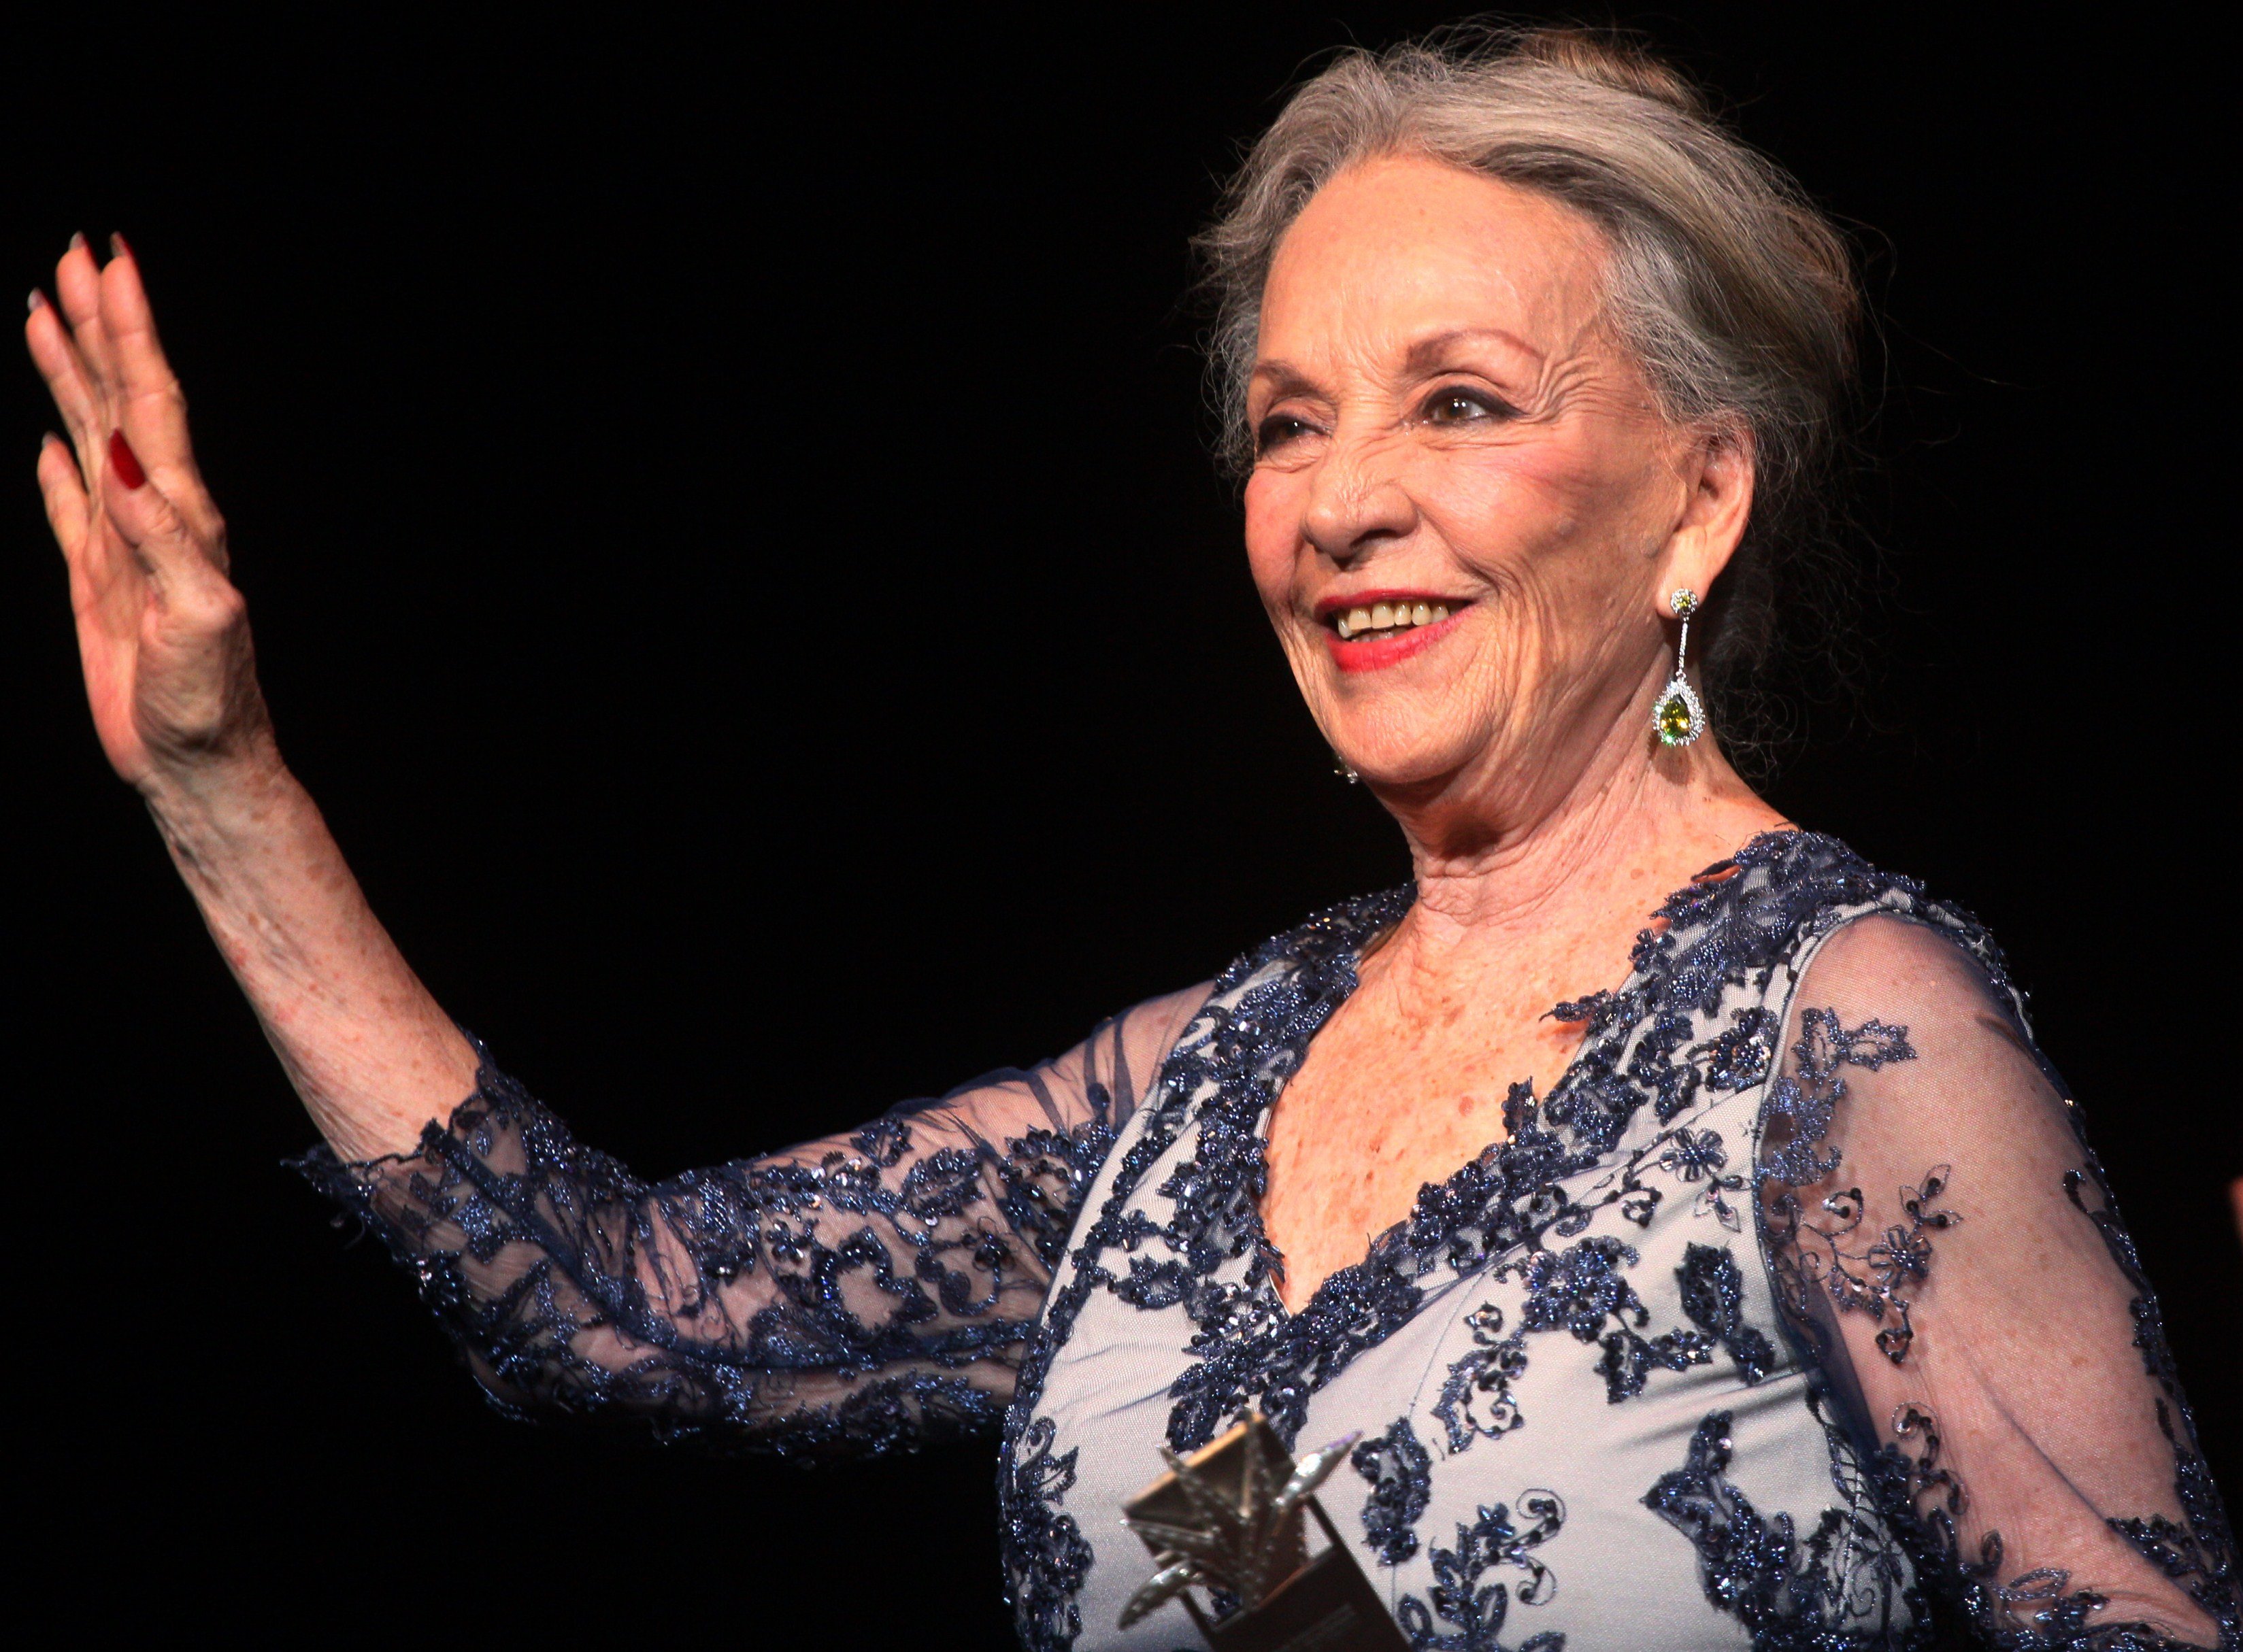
(1947, 1252)
(850, 1295)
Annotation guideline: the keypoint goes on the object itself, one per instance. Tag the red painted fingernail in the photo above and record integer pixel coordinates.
(117, 247)
(124, 462)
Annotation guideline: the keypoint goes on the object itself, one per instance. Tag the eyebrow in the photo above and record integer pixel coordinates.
(1423, 353)
(1283, 378)
(1422, 356)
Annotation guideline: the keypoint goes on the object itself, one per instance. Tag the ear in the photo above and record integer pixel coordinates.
(1716, 471)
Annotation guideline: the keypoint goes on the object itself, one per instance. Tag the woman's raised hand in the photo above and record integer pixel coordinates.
(164, 640)
(163, 635)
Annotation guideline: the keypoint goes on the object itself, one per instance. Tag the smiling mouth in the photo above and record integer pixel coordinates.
(1372, 622)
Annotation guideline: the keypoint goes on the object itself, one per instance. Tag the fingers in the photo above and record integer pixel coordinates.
(177, 560)
(92, 566)
(151, 406)
(77, 290)
(64, 494)
(56, 355)
(107, 372)
(75, 379)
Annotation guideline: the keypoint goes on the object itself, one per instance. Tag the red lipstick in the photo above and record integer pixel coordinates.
(1374, 654)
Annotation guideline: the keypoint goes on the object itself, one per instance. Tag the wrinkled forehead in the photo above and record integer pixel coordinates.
(1398, 249)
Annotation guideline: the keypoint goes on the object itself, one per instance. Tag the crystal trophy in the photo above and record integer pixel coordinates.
(1232, 1518)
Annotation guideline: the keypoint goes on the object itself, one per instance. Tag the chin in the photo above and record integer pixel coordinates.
(1407, 757)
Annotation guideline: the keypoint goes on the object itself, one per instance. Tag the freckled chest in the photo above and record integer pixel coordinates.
(1394, 1095)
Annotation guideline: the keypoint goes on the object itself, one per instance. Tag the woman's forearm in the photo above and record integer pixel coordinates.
(170, 678)
(369, 1051)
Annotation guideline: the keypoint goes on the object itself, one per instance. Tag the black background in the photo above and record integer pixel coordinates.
(728, 520)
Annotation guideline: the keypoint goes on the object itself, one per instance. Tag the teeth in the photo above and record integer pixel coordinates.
(1388, 616)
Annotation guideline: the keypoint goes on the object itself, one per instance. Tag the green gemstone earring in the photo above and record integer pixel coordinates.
(1680, 716)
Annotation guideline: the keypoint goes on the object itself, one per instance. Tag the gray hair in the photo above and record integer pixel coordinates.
(1733, 292)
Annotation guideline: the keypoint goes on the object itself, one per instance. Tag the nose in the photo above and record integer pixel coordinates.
(1357, 503)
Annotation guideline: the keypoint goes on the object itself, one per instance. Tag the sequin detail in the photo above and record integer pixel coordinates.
(1713, 1296)
(897, 1281)
(1047, 1557)
(1841, 1588)
(1474, 1612)
(1741, 919)
(1400, 1475)
(612, 1257)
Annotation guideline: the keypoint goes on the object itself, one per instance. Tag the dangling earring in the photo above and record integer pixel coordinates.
(1344, 770)
(1679, 717)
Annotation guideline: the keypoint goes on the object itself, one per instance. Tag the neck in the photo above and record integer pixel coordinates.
(1632, 826)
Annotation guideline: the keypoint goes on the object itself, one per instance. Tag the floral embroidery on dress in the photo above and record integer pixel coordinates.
(611, 1254)
(1738, 1059)
(868, 1297)
(1476, 1397)
(1401, 1483)
(1714, 1297)
(1476, 1612)
(1697, 1156)
(1046, 1558)
(1839, 1588)
(1820, 1258)
(2037, 1610)
(1813, 1253)
(1250, 1353)
(1582, 1290)
(1240, 1038)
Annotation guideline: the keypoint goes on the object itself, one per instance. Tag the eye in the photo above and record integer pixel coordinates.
(1278, 429)
(1463, 405)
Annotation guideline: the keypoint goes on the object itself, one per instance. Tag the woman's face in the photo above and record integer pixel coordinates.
(1445, 426)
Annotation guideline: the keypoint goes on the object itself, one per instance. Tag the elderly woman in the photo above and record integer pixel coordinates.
(1761, 1292)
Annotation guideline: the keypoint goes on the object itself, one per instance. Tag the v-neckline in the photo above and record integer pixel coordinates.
(1201, 1147)
(1721, 870)
(1447, 1183)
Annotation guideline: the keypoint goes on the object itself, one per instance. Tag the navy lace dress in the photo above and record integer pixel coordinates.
(1795, 1316)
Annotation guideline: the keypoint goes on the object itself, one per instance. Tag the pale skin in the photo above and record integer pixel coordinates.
(1444, 414)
